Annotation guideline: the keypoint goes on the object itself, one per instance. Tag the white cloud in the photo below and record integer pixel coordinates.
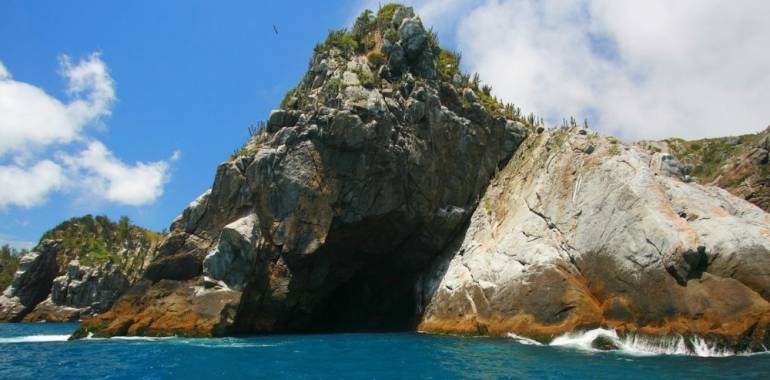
(640, 69)
(88, 79)
(33, 119)
(34, 122)
(4, 74)
(15, 243)
(27, 187)
(103, 175)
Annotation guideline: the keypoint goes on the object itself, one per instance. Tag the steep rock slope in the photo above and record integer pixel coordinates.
(739, 164)
(580, 231)
(325, 219)
(79, 268)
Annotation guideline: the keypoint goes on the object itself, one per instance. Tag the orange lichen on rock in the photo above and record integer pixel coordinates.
(166, 308)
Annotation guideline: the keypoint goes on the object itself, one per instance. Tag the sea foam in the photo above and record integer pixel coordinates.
(634, 344)
(35, 339)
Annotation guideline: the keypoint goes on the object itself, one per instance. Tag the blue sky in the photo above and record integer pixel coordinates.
(189, 76)
(127, 108)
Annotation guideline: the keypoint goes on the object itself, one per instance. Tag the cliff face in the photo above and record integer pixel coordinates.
(579, 231)
(365, 203)
(325, 219)
(79, 268)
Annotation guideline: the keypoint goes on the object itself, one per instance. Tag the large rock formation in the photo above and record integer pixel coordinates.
(365, 204)
(579, 231)
(79, 269)
(326, 218)
(81, 291)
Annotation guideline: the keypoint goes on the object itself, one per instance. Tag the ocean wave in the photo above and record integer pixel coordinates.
(34, 339)
(632, 344)
(524, 340)
(131, 338)
(143, 338)
(225, 343)
(194, 342)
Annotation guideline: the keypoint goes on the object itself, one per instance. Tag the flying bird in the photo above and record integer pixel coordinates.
(275, 29)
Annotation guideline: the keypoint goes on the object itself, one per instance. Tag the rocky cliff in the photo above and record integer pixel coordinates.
(580, 231)
(326, 218)
(382, 195)
(78, 269)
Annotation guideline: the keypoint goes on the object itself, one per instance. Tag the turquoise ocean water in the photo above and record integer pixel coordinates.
(41, 352)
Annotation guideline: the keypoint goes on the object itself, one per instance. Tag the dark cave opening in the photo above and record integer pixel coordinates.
(372, 300)
(367, 277)
(379, 274)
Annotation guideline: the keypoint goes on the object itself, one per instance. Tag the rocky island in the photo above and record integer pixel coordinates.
(392, 192)
(78, 269)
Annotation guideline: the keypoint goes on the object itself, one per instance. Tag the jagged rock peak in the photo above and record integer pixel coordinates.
(369, 168)
(377, 65)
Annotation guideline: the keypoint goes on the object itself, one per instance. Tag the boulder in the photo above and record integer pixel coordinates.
(470, 96)
(402, 13)
(233, 260)
(397, 59)
(280, 118)
(413, 37)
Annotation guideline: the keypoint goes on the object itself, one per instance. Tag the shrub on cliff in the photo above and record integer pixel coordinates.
(376, 59)
(365, 24)
(9, 262)
(448, 64)
(340, 39)
(385, 14)
(95, 240)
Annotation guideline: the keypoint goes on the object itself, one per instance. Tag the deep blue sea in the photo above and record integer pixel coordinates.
(39, 351)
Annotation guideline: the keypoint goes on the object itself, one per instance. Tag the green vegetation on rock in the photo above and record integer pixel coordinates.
(739, 164)
(376, 38)
(96, 240)
(340, 39)
(707, 156)
(385, 14)
(448, 64)
(9, 263)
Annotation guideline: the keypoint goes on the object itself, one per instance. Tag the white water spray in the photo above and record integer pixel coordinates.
(35, 339)
(634, 344)
(524, 340)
